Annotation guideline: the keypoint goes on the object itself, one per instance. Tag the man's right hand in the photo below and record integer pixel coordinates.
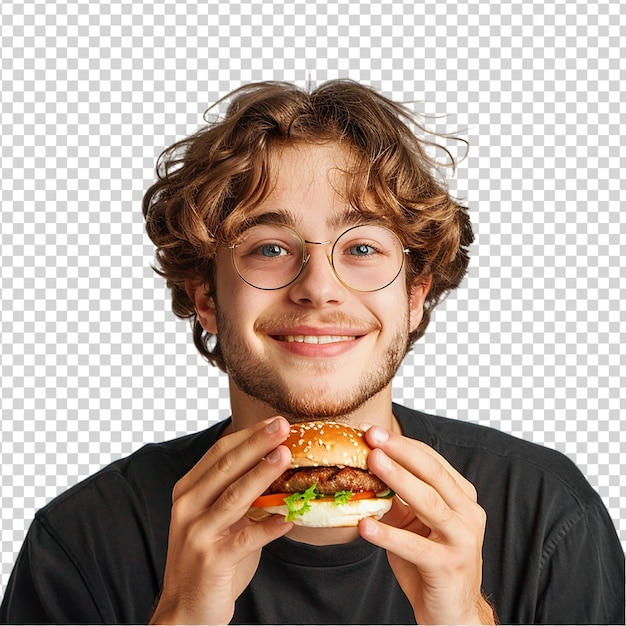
(214, 549)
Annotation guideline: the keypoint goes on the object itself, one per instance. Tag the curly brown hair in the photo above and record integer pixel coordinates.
(208, 183)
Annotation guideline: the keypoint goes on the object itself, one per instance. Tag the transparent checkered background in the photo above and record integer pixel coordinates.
(94, 364)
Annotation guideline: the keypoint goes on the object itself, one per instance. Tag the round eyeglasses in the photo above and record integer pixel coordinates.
(368, 257)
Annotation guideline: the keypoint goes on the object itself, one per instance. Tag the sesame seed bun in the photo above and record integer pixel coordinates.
(315, 444)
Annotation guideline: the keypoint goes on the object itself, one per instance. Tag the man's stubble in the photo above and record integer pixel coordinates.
(255, 376)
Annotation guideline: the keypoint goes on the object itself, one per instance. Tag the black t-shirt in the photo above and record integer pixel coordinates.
(96, 554)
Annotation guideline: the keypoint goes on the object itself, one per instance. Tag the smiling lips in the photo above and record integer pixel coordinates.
(315, 339)
(325, 338)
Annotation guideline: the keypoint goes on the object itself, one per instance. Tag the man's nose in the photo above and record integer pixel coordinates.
(317, 284)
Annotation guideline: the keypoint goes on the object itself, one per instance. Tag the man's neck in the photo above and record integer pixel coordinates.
(323, 536)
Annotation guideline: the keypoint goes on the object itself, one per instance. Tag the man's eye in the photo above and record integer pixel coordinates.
(271, 250)
(361, 249)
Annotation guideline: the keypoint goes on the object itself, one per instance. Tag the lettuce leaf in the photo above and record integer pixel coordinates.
(342, 497)
(298, 503)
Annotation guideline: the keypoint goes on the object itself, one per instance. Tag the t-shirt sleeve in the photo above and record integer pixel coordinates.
(45, 586)
(582, 574)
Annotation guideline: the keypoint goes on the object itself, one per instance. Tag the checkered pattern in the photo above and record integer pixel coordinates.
(94, 364)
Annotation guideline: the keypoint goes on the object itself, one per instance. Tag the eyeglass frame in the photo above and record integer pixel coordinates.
(306, 255)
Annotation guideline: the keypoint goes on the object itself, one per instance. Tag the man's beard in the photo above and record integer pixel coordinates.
(254, 375)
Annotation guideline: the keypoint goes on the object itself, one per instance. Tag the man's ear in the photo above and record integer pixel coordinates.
(418, 295)
(204, 305)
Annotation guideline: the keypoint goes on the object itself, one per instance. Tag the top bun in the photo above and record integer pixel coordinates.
(320, 443)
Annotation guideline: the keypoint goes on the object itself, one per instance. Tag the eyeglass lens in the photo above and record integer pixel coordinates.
(365, 258)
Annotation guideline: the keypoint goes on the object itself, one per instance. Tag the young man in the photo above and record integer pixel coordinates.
(307, 238)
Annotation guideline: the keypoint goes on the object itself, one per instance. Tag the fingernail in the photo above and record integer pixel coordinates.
(273, 426)
(273, 457)
(379, 435)
(382, 459)
(370, 526)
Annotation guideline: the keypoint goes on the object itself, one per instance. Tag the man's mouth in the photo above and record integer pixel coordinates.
(316, 339)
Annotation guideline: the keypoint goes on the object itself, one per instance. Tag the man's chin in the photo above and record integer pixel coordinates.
(298, 402)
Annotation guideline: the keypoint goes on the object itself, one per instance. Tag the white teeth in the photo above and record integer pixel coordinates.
(316, 338)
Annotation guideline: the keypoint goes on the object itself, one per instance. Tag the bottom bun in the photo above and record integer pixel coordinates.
(327, 514)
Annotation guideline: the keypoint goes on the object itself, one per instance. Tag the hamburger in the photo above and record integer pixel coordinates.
(328, 484)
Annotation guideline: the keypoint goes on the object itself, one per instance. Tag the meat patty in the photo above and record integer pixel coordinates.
(328, 480)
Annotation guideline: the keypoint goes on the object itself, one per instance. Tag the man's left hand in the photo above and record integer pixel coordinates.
(433, 533)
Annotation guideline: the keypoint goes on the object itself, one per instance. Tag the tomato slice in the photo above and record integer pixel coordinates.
(273, 499)
(362, 495)
(277, 499)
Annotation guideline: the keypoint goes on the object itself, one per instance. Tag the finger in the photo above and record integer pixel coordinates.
(425, 463)
(410, 546)
(425, 501)
(401, 515)
(230, 505)
(233, 455)
(235, 500)
(228, 549)
(256, 535)
(430, 557)
(379, 437)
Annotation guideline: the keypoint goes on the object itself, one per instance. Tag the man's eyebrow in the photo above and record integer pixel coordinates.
(284, 217)
(346, 219)
(281, 217)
